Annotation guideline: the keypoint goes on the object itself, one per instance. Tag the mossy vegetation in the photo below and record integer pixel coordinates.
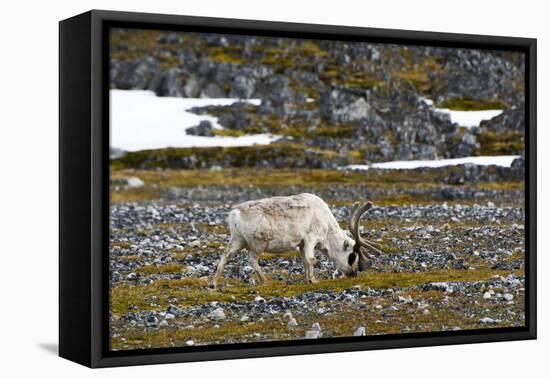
(195, 291)
(144, 193)
(293, 154)
(502, 143)
(232, 132)
(289, 255)
(121, 244)
(228, 54)
(465, 103)
(159, 181)
(424, 73)
(342, 323)
(157, 269)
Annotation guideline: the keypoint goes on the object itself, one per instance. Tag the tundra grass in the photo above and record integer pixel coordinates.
(289, 177)
(465, 103)
(159, 181)
(406, 318)
(195, 291)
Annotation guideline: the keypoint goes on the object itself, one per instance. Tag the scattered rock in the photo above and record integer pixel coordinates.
(291, 321)
(195, 243)
(204, 128)
(488, 320)
(131, 182)
(359, 331)
(313, 334)
(441, 286)
(217, 314)
(174, 310)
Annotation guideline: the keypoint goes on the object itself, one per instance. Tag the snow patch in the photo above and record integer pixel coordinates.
(502, 161)
(465, 118)
(469, 118)
(142, 121)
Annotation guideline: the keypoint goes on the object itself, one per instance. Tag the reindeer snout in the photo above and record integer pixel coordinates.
(351, 273)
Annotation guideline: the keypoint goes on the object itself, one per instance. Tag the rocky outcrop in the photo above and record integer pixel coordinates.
(512, 119)
(358, 98)
(471, 73)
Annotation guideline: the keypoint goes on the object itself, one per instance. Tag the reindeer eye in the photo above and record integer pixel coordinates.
(346, 245)
(351, 258)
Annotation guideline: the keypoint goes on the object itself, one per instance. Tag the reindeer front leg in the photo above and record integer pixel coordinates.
(307, 252)
(235, 245)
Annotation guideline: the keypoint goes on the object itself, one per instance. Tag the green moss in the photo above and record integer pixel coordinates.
(158, 181)
(423, 74)
(289, 255)
(311, 49)
(169, 61)
(144, 193)
(218, 229)
(224, 55)
(130, 258)
(230, 133)
(129, 45)
(225, 333)
(341, 323)
(502, 143)
(157, 269)
(191, 291)
(293, 154)
(465, 103)
(121, 244)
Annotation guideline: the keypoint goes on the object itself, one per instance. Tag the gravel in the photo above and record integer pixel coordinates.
(422, 238)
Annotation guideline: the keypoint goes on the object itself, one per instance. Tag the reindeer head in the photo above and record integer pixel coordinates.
(353, 254)
(364, 251)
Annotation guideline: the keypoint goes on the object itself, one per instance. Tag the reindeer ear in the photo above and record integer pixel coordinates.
(364, 261)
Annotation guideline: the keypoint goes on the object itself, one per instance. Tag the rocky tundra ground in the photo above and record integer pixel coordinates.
(453, 258)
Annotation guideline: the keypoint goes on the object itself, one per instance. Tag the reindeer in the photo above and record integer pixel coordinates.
(279, 224)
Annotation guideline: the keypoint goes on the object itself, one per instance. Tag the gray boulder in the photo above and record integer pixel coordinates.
(204, 128)
(339, 106)
(192, 87)
(467, 145)
(512, 119)
(171, 39)
(242, 87)
(188, 58)
(134, 75)
(167, 84)
(213, 90)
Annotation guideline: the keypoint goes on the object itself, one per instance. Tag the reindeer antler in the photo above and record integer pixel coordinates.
(362, 245)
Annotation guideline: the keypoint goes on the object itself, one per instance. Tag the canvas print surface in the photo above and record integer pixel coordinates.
(266, 189)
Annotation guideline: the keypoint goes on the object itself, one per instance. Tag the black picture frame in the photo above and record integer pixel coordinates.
(84, 188)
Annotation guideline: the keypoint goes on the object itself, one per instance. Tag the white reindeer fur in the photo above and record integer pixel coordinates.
(280, 224)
